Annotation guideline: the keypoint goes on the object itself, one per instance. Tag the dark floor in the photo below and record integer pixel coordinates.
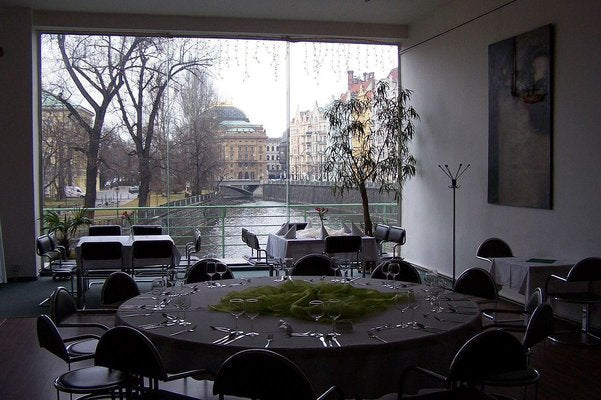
(27, 372)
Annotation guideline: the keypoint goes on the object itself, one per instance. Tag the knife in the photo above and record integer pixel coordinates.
(234, 339)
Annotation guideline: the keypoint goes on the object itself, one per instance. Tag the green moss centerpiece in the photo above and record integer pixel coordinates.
(291, 299)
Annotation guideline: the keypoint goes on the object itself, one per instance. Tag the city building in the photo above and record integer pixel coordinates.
(308, 136)
(274, 168)
(243, 143)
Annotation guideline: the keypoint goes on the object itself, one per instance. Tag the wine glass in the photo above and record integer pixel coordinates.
(236, 309)
(157, 287)
(336, 267)
(252, 308)
(316, 312)
(394, 269)
(430, 280)
(221, 269)
(183, 303)
(211, 271)
(386, 272)
(288, 264)
(403, 301)
(334, 309)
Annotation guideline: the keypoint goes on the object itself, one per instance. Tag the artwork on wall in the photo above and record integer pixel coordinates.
(519, 120)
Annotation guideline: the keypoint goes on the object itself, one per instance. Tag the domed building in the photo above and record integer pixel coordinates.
(243, 144)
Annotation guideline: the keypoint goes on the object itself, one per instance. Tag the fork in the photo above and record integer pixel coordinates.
(374, 336)
(269, 339)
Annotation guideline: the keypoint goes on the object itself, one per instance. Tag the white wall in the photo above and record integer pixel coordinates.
(450, 77)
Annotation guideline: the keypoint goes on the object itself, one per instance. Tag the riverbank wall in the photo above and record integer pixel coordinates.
(312, 193)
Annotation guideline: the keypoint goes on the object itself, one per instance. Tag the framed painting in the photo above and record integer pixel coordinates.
(520, 120)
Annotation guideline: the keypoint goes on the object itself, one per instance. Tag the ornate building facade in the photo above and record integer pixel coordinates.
(308, 135)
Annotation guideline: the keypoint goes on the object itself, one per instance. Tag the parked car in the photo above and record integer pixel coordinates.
(134, 189)
(74, 191)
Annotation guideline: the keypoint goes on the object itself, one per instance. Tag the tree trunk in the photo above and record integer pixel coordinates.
(92, 171)
(365, 203)
(145, 176)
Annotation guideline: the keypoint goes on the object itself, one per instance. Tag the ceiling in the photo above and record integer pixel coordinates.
(396, 12)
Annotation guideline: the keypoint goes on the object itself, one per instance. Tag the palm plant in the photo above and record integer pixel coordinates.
(65, 226)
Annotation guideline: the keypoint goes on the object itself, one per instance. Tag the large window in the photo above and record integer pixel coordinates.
(149, 121)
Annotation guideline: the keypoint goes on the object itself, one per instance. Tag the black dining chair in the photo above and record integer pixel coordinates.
(117, 288)
(314, 265)
(535, 299)
(152, 258)
(64, 312)
(398, 236)
(98, 261)
(54, 254)
(104, 230)
(198, 271)
(490, 358)
(147, 229)
(71, 349)
(128, 350)
(477, 282)
(274, 377)
(408, 273)
(584, 272)
(381, 236)
(258, 256)
(191, 248)
(493, 248)
(336, 245)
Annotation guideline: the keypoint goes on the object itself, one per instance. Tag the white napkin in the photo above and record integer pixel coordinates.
(291, 234)
(337, 232)
(308, 225)
(324, 233)
(346, 228)
(283, 229)
(355, 230)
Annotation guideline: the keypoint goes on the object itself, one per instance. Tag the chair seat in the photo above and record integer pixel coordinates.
(457, 394)
(527, 376)
(582, 298)
(83, 347)
(163, 395)
(90, 379)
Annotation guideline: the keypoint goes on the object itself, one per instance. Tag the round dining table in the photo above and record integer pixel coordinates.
(371, 356)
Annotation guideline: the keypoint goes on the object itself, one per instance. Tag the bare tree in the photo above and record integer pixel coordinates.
(196, 146)
(156, 64)
(94, 66)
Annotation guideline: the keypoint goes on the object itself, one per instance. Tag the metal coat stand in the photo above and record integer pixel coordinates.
(454, 179)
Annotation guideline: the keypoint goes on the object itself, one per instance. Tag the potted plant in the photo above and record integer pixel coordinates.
(65, 226)
(369, 139)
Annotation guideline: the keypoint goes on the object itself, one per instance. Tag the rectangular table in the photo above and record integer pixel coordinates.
(126, 259)
(526, 274)
(279, 247)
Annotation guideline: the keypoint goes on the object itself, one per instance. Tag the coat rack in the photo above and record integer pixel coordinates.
(454, 179)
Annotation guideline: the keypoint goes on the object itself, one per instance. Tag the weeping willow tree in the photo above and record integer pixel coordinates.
(368, 141)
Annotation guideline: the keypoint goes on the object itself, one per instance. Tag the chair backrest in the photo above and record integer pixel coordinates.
(159, 249)
(588, 269)
(343, 244)
(128, 350)
(104, 230)
(43, 245)
(197, 240)
(147, 229)
(50, 338)
(493, 248)
(198, 271)
(252, 241)
(535, 300)
(62, 305)
(117, 288)
(274, 377)
(539, 326)
(314, 265)
(397, 235)
(245, 235)
(408, 273)
(476, 282)
(488, 353)
(101, 251)
(381, 232)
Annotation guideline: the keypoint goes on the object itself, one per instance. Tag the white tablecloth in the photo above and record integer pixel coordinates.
(279, 247)
(524, 275)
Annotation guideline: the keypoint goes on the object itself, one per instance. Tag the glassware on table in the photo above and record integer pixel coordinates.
(430, 278)
(386, 272)
(221, 269)
(236, 309)
(435, 292)
(394, 270)
(316, 311)
(412, 305)
(252, 307)
(404, 301)
(336, 267)
(334, 310)
(183, 303)
(211, 271)
(157, 288)
(288, 264)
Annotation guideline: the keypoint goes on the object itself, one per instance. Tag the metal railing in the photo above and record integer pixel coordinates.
(221, 225)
